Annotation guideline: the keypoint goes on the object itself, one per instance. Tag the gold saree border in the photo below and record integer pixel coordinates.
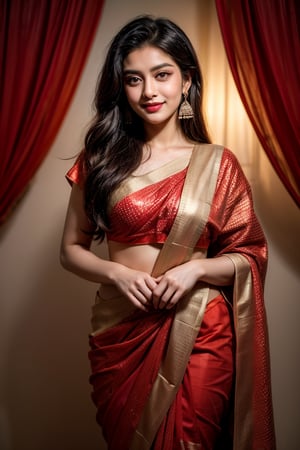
(107, 312)
(244, 317)
(188, 226)
(194, 207)
(185, 328)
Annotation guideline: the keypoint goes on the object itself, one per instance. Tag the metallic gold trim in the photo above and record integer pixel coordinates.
(188, 226)
(184, 331)
(107, 312)
(194, 207)
(244, 318)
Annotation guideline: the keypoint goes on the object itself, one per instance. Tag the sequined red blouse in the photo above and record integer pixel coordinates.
(146, 215)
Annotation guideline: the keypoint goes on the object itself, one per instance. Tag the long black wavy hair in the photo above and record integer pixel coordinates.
(113, 147)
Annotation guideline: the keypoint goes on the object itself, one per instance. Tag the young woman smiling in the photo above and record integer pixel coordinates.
(179, 351)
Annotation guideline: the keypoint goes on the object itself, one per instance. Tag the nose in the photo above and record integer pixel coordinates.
(149, 88)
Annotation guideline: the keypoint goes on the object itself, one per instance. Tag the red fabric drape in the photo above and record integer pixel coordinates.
(262, 43)
(43, 48)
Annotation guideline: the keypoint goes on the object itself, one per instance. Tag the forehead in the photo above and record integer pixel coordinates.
(147, 57)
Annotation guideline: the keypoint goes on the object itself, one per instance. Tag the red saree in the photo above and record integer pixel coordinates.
(139, 405)
(125, 361)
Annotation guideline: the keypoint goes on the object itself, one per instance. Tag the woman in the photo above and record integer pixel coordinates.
(179, 350)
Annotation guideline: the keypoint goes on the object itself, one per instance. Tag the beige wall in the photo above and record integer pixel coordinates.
(44, 398)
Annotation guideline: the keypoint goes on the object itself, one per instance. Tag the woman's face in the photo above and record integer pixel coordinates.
(153, 84)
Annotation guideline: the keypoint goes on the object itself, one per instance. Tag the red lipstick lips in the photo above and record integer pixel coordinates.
(152, 107)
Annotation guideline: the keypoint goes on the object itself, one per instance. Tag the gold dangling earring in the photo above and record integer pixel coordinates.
(185, 109)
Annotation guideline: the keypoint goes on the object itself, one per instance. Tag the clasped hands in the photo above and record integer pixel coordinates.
(163, 292)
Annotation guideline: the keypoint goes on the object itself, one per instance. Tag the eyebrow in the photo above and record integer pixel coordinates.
(153, 69)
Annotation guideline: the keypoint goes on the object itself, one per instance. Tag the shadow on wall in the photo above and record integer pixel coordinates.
(47, 401)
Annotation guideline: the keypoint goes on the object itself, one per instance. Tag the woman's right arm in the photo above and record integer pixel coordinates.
(77, 257)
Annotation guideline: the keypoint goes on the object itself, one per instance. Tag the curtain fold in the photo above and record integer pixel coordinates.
(261, 40)
(43, 48)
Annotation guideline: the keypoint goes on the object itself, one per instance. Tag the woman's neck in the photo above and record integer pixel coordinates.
(165, 137)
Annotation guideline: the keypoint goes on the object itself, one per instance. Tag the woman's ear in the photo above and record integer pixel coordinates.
(186, 83)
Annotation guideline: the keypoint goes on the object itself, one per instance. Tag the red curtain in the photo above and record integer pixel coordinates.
(262, 43)
(43, 48)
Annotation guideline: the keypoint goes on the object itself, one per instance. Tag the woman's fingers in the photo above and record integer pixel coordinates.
(138, 287)
(167, 293)
(173, 285)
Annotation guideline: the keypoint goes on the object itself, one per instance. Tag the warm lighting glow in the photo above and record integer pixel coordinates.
(227, 119)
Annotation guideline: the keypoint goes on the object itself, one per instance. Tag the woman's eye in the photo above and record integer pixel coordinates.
(132, 81)
(162, 75)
